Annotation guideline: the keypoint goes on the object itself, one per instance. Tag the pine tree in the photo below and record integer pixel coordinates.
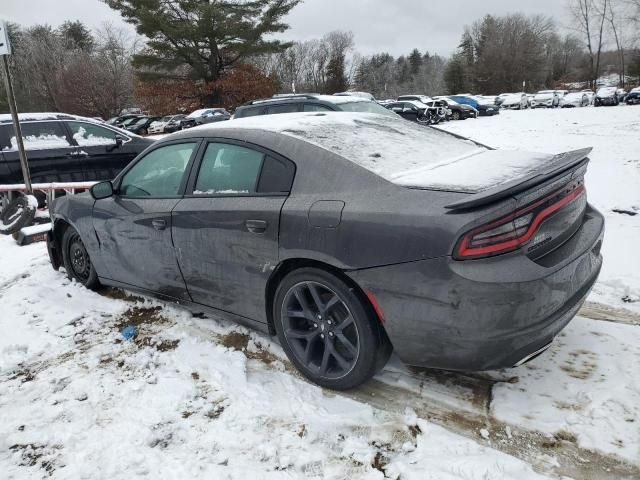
(203, 38)
(454, 75)
(77, 35)
(336, 79)
(415, 59)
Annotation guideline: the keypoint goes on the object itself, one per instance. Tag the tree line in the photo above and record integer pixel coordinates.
(189, 54)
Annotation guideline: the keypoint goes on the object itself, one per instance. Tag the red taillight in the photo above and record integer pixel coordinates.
(512, 231)
(375, 304)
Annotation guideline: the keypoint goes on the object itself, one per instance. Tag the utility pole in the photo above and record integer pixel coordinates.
(5, 51)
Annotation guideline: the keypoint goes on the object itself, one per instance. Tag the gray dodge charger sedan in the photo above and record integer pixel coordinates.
(347, 236)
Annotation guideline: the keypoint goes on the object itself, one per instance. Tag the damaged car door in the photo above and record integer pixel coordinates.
(225, 230)
(134, 225)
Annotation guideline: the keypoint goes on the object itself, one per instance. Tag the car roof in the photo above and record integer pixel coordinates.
(43, 116)
(384, 145)
(302, 97)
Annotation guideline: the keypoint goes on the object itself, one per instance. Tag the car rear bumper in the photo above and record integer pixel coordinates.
(484, 314)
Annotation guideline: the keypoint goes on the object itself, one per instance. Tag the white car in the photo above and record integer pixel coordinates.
(366, 95)
(575, 99)
(591, 95)
(546, 99)
(159, 125)
(514, 101)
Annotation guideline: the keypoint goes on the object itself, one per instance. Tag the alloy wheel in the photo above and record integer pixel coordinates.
(320, 330)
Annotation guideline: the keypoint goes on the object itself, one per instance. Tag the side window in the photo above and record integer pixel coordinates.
(276, 176)
(228, 169)
(87, 134)
(38, 136)
(250, 112)
(287, 108)
(315, 107)
(159, 173)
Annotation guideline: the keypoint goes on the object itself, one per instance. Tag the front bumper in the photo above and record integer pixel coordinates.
(484, 314)
(609, 101)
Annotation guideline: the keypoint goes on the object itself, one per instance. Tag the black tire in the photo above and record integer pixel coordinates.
(144, 132)
(337, 332)
(76, 260)
(455, 116)
(18, 213)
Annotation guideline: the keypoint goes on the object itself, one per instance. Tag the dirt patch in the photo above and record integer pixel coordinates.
(558, 439)
(140, 316)
(380, 461)
(235, 340)
(118, 294)
(32, 455)
(159, 345)
(24, 375)
(215, 412)
(581, 364)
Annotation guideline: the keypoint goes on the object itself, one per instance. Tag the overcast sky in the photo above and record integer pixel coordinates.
(394, 26)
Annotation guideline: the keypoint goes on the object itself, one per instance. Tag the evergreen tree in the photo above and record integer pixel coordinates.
(415, 59)
(336, 79)
(203, 37)
(77, 35)
(455, 76)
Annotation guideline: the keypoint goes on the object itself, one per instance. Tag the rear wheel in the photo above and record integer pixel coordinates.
(76, 260)
(327, 331)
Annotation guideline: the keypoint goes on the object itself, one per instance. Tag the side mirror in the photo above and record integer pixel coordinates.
(119, 139)
(102, 190)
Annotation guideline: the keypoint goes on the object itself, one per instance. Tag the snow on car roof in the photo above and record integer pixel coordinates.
(387, 146)
(335, 99)
(35, 116)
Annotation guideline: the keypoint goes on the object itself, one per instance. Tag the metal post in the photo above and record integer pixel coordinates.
(16, 124)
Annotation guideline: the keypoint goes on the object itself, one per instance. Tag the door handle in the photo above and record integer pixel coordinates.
(72, 154)
(159, 224)
(256, 226)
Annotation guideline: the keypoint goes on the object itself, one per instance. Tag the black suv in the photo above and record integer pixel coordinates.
(309, 103)
(66, 148)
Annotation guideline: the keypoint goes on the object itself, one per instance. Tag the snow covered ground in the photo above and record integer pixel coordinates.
(203, 398)
(189, 398)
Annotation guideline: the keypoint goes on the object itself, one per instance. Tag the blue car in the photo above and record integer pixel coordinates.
(483, 109)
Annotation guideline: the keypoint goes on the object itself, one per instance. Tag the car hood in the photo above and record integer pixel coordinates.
(544, 96)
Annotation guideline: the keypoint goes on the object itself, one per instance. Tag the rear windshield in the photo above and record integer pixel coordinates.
(386, 145)
(366, 107)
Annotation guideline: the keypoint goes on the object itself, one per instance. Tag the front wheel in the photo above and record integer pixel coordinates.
(328, 332)
(76, 260)
(456, 115)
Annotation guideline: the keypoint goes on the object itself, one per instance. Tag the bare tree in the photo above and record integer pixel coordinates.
(590, 17)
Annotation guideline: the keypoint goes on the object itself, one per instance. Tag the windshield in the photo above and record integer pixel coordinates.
(130, 121)
(366, 107)
(139, 121)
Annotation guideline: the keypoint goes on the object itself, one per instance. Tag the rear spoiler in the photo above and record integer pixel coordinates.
(557, 165)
